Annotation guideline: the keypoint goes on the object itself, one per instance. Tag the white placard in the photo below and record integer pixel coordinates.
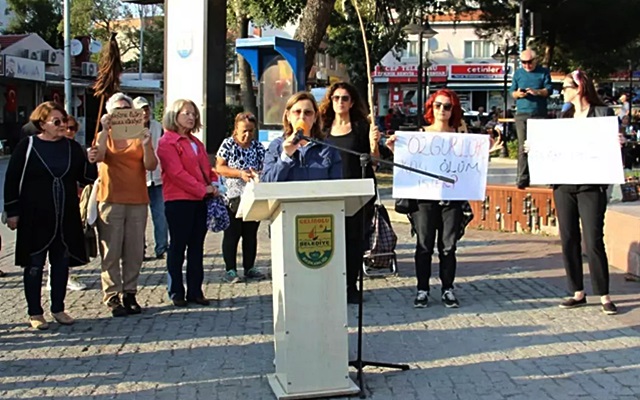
(574, 151)
(461, 156)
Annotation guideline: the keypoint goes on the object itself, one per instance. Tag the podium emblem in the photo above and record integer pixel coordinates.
(314, 240)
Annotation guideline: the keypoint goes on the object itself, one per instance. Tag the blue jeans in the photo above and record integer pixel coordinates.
(59, 272)
(188, 226)
(160, 229)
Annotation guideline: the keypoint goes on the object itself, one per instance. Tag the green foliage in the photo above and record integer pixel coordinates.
(595, 35)
(158, 111)
(231, 111)
(512, 146)
(153, 54)
(36, 16)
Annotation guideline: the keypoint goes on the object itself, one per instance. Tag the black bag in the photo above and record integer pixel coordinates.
(91, 242)
(233, 205)
(467, 217)
(382, 241)
(406, 206)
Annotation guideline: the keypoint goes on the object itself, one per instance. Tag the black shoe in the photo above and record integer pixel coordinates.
(609, 308)
(130, 303)
(522, 186)
(179, 302)
(449, 299)
(422, 299)
(353, 296)
(160, 256)
(200, 300)
(573, 303)
(253, 273)
(117, 310)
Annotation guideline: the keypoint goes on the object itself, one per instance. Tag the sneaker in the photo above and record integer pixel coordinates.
(422, 299)
(231, 276)
(38, 322)
(130, 304)
(253, 273)
(573, 303)
(449, 299)
(609, 308)
(178, 302)
(63, 318)
(74, 284)
(117, 310)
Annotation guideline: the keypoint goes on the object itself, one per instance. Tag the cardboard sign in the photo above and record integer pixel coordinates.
(461, 156)
(574, 151)
(127, 124)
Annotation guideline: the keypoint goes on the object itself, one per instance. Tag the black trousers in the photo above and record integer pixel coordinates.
(58, 271)
(248, 231)
(432, 220)
(523, 177)
(586, 203)
(354, 242)
(187, 220)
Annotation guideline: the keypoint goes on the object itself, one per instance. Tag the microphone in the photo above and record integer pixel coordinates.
(299, 131)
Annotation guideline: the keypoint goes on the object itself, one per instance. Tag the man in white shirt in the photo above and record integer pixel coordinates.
(154, 183)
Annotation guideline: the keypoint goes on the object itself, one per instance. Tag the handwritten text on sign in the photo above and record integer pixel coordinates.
(127, 124)
(574, 151)
(463, 157)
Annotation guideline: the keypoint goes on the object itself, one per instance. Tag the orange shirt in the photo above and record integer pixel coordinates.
(122, 176)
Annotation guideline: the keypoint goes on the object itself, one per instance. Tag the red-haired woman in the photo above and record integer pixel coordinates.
(434, 218)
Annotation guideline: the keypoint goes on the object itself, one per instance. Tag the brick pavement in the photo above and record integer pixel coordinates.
(509, 340)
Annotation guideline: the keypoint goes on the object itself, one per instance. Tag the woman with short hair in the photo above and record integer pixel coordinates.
(186, 184)
(122, 210)
(41, 202)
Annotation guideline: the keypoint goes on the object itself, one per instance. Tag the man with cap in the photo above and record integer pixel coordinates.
(530, 88)
(154, 182)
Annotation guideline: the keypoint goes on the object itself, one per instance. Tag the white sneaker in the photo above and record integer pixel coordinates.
(74, 284)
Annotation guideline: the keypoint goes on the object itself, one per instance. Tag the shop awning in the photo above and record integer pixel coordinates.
(471, 87)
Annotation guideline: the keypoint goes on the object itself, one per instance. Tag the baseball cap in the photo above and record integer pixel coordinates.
(140, 102)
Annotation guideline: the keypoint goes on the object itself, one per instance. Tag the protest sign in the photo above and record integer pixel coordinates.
(127, 124)
(462, 157)
(574, 151)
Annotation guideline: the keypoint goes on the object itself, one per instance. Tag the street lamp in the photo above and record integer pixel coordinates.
(423, 30)
(510, 52)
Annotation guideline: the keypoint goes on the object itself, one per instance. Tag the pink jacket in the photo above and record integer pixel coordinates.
(185, 174)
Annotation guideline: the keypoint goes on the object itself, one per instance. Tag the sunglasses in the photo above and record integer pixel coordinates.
(444, 106)
(306, 113)
(527, 61)
(569, 87)
(72, 128)
(343, 98)
(58, 122)
(249, 117)
(122, 108)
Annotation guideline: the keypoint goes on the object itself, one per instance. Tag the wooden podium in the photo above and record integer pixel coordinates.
(309, 285)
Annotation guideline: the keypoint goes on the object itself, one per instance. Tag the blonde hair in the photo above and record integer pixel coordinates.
(316, 129)
(170, 119)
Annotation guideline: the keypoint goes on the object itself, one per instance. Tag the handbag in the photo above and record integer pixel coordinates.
(233, 205)
(406, 206)
(24, 168)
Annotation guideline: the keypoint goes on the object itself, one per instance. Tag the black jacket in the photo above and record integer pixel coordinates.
(35, 204)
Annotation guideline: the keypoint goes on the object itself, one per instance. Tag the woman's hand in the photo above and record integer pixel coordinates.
(289, 147)
(495, 144)
(390, 143)
(146, 138)
(92, 154)
(374, 136)
(211, 191)
(12, 223)
(106, 122)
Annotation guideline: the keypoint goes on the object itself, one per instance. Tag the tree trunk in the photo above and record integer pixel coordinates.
(312, 28)
(247, 94)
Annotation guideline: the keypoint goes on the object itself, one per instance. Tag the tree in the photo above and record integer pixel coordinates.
(153, 51)
(36, 16)
(591, 34)
(313, 27)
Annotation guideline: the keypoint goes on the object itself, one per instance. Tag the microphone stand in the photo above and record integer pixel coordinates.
(365, 159)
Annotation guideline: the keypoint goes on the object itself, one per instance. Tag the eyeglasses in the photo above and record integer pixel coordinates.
(188, 114)
(569, 87)
(337, 98)
(527, 61)
(306, 113)
(444, 106)
(58, 122)
(122, 108)
(72, 128)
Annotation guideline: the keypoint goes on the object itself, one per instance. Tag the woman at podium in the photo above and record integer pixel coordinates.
(291, 157)
(344, 120)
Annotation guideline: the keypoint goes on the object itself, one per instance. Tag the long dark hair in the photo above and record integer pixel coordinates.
(586, 90)
(357, 113)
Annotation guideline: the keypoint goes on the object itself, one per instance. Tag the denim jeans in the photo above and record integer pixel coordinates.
(160, 229)
(58, 271)
(187, 221)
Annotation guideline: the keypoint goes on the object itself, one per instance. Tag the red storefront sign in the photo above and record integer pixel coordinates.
(409, 73)
(476, 72)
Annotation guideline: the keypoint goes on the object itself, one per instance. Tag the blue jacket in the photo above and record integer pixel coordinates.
(310, 163)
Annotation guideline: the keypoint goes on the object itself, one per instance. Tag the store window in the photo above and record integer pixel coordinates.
(478, 49)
